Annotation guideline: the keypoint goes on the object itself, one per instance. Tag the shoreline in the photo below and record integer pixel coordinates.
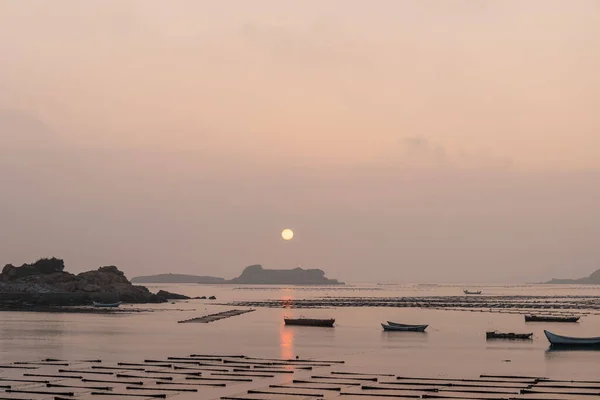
(87, 309)
(56, 301)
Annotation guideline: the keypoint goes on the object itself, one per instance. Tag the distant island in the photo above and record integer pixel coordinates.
(593, 279)
(257, 275)
(177, 278)
(252, 275)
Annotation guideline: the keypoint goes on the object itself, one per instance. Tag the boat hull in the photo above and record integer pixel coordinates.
(566, 341)
(467, 292)
(549, 318)
(309, 322)
(107, 305)
(396, 328)
(508, 336)
(413, 328)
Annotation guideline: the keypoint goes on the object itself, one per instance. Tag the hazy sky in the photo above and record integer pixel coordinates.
(403, 141)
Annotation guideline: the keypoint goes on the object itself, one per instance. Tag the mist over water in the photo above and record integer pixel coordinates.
(418, 141)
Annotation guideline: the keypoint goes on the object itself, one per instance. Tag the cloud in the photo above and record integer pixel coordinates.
(419, 149)
(322, 41)
(422, 151)
(23, 131)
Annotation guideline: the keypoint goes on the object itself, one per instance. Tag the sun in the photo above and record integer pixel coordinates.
(287, 234)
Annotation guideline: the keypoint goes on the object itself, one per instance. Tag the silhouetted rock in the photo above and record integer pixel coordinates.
(44, 266)
(256, 274)
(171, 296)
(593, 279)
(47, 279)
(177, 278)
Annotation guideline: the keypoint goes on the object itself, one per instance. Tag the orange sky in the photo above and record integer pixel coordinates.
(142, 133)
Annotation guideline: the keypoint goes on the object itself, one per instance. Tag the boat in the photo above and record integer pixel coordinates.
(468, 292)
(511, 336)
(414, 328)
(406, 328)
(550, 318)
(309, 321)
(567, 341)
(107, 305)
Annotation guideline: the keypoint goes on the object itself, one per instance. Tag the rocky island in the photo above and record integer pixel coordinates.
(593, 279)
(257, 275)
(46, 284)
(252, 275)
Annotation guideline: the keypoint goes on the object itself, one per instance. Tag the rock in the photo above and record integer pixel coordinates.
(171, 296)
(43, 266)
(69, 286)
(52, 284)
(104, 276)
(155, 299)
(593, 279)
(256, 274)
(212, 298)
(92, 288)
(129, 293)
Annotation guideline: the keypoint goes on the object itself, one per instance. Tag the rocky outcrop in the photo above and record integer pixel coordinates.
(177, 278)
(171, 296)
(593, 279)
(44, 266)
(47, 276)
(257, 275)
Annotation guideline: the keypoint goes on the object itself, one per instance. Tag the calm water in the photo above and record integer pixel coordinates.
(454, 345)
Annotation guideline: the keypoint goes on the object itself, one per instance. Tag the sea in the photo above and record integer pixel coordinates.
(453, 346)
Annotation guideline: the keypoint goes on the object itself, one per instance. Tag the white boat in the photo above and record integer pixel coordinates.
(410, 328)
(566, 341)
(107, 305)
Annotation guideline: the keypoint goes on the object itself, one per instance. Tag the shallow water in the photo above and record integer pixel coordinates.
(454, 345)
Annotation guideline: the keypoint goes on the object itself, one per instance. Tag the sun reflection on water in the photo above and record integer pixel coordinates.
(286, 342)
(286, 334)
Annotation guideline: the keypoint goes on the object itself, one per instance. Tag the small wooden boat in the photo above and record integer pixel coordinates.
(566, 341)
(468, 292)
(510, 336)
(414, 328)
(309, 322)
(550, 318)
(107, 305)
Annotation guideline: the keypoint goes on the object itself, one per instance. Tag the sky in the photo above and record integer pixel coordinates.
(402, 141)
